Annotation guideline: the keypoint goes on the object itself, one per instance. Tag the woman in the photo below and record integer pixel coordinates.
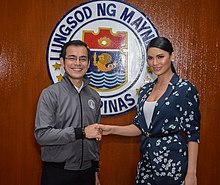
(168, 120)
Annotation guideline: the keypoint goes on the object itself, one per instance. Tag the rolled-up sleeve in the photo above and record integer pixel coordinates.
(190, 119)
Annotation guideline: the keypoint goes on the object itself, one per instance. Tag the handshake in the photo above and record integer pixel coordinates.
(96, 131)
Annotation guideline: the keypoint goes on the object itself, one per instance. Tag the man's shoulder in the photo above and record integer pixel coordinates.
(52, 88)
(93, 91)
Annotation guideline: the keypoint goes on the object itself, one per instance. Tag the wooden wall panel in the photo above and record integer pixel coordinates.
(26, 25)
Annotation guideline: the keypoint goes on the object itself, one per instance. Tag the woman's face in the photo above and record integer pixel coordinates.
(159, 61)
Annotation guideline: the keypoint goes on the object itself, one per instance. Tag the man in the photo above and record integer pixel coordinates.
(65, 123)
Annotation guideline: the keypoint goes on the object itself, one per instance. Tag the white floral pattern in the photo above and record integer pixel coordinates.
(164, 156)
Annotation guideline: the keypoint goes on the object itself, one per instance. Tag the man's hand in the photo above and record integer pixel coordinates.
(93, 131)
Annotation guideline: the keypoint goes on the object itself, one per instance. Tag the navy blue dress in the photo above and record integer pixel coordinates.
(164, 155)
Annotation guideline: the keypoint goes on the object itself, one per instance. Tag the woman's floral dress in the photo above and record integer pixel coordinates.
(175, 122)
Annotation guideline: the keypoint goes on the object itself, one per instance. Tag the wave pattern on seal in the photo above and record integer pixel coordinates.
(106, 81)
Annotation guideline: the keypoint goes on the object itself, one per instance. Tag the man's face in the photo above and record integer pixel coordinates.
(76, 62)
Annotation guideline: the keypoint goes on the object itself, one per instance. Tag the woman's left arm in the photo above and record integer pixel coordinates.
(191, 178)
(97, 181)
(191, 126)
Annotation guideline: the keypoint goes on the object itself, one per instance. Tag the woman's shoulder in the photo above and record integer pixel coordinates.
(186, 84)
(146, 87)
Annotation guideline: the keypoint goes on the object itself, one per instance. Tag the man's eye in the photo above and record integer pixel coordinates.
(83, 59)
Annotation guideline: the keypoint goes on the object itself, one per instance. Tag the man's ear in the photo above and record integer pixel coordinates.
(89, 64)
(62, 61)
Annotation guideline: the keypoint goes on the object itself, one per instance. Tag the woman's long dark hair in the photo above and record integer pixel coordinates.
(164, 44)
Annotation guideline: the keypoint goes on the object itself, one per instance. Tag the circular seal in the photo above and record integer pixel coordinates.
(117, 35)
(91, 104)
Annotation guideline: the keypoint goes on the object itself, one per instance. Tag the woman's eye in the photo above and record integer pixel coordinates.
(160, 56)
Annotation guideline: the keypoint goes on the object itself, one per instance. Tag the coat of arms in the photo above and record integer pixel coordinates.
(108, 67)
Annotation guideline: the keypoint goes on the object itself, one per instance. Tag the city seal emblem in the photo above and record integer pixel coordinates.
(117, 35)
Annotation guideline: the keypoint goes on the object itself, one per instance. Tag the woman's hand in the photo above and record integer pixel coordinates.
(190, 179)
(97, 181)
(105, 129)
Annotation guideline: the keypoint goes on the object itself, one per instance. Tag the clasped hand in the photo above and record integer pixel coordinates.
(96, 131)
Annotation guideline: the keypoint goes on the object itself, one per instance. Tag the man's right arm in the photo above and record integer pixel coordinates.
(45, 131)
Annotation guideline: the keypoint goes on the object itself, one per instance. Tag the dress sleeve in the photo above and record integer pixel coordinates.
(190, 119)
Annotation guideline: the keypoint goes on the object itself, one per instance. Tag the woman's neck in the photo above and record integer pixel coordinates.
(164, 79)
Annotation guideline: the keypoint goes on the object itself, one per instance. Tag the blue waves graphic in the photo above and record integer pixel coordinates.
(106, 81)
